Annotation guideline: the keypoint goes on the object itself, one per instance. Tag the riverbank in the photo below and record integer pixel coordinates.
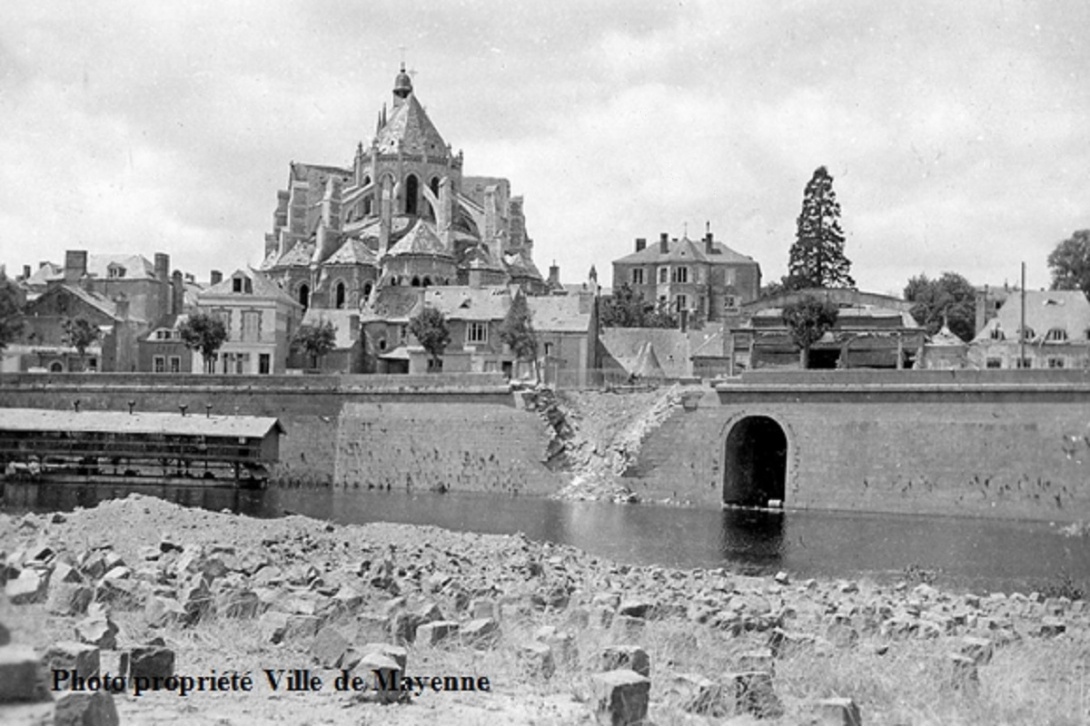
(226, 593)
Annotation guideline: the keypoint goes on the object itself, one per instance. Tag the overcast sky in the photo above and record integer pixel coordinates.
(958, 133)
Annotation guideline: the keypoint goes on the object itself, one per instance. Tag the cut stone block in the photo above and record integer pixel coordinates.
(398, 653)
(536, 658)
(93, 708)
(330, 646)
(371, 627)
(99, 630)
(69, 599)
(73, 656)
(380, 669)
(29, 587)
(620, 697)
(836, 711)
(19, 675)
(151, 661)
(432, 633)
(480, 631)
(626, 656)
(699, 695)
(980, 650)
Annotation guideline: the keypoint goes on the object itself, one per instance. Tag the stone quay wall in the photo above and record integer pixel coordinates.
(948, 443)
(448, 427)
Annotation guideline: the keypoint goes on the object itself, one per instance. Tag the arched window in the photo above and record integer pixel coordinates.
(56, 367)
(304, 295)
(366, 206)
(416, 282)
(367, 288)
(434, 184)
(427, 281)
(340, 295)
(366, 180)
(412, 191)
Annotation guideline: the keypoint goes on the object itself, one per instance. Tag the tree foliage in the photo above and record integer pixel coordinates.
(517, 331)
(205, 333)
(948, 299)
(432, 332)
(627, 309)
(1069, 263)
(817, 257)
(807, 320)
(11, 321)
(315, 339)
(80, 334)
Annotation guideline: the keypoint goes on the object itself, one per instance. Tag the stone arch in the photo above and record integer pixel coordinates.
(755, 461)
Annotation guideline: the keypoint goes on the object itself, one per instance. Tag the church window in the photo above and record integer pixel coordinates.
(427, 281)
(382, 344)
(367, 206)
(416, 281)
(412, 191)
(434, 184)
(304, 295)
(664, 274)
(367, 289)
(477, 332)
(637, 276)
(340, 295)
(366, 180)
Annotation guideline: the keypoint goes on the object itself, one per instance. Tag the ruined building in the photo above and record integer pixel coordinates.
(401, 214)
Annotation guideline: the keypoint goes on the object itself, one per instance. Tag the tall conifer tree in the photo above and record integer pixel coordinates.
(817, 257)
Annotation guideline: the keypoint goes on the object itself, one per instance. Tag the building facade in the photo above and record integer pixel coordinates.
(1056, 334)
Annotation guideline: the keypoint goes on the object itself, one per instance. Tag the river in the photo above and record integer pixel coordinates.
(969, 553)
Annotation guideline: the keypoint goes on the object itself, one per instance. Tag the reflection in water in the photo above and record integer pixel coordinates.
(972, 553)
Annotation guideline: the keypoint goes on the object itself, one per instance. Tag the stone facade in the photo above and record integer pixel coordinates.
(1056, 335)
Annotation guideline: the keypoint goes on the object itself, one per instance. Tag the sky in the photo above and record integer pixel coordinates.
(957, 133)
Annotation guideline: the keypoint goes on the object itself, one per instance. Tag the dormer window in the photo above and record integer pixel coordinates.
(115, 271)
(1056, 335)
(242, 285)
(997, 334)
(1027, 333)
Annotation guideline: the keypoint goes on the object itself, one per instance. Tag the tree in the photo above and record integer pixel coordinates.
(11, 322)
(517, 331)
(817, 257)
(807, 320)
(316, 340)
(627, 309)
(1070, 263)
(433, 333)
(204, 333)
(949, 300)
(80, 334)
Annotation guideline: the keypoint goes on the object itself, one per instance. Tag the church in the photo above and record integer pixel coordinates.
(402, 214)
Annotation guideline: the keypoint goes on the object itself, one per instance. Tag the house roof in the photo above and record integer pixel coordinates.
(410, 126)
(262, 287)
(1045, 310)
(100, 302)
(342, 320)
(458, 302)
(671, 348)
(946, 337)
(136, 266)
(26, 420)
(559, 313)
(685, 250)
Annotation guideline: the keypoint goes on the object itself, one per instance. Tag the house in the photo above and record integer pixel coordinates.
(1056, 333)
(260, 319)
(567, 334)
(871, 331)
(702, 280)
(347, 354)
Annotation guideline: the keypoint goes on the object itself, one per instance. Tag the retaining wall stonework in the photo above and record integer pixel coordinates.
(483, 447)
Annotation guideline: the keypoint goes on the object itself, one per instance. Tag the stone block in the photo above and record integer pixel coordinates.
(398, 653)
(627, 627)
(699, 695)
(402, 627)
(752, 693)
(92, 708)
(73, 656)
(379, 668)
(371, 627)
(272, 626)
(637, 608)
(69, 599)
(480, 631)
(483, 608)
(160, 611)
(301, 627)
(536, 659)
(561, 642)
(835, 711)
(625, 656)
(963, 673)
(29, 587)
(114, 663)
(330, 647)
(99, 630)
(151, 662)
(20, 675)
(1051, 626)
(619, 697)
(238, 603)
(432, 633)
(428, 613)
(979, 649)
(65, 573)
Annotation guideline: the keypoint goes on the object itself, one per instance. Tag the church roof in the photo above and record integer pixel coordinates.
(409, 124)
(353, 252)
(421, 239)
(299, 255)
(458, 302)
(395, 303)
(519, 264)
(685, 250)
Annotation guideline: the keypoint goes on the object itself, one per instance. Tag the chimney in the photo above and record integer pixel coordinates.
(641, 243)
(709, 243)
(217, 277)
(177, 293)
(554, 275)
(162, 267)
(26, 272)
(75, 266)
(664, 243)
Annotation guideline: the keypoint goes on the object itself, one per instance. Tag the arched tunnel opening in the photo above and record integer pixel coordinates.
(755, 463)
